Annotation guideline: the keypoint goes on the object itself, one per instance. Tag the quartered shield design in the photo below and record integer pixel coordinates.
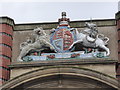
(62, 39)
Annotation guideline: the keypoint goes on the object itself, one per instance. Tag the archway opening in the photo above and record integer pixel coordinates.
(63, 81)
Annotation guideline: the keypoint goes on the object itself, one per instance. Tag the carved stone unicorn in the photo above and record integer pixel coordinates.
(91, 38)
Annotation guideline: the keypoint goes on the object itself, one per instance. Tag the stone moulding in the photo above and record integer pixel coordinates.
(73, 24)
(62, 62)
(61, 70)
(7, 20)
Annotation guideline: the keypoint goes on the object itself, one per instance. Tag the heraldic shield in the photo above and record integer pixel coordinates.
(62, 38)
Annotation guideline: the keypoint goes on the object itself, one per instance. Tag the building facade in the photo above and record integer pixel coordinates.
(80, 70)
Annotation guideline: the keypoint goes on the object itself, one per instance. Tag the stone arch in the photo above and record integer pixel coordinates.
(62, 77)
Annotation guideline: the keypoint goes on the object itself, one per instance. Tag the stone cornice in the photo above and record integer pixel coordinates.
(50, 25)
(7, 20)
(74, 24)
(117, 15)
(62, 62)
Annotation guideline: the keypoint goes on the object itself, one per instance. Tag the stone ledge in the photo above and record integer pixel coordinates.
(62, 62)
(73, 24)
(7, 20)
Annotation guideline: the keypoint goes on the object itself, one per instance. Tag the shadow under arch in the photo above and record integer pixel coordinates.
(62, 77)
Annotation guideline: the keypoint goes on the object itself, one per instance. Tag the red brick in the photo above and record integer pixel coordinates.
(118, 70)
(118, 24)
(6, 28)
(6, 40)
(0, 38)
(5, 50)
(118, 57)
(2, 47)
(1, 82)
(4, 62)
(118, 35)
(4, 74)
(6, 54)
(119, 47)
(6, 36)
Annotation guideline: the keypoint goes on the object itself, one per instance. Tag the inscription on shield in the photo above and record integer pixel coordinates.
(62, 40)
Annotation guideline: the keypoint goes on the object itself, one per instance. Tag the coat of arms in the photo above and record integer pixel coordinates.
(62, 39)
(63, 42)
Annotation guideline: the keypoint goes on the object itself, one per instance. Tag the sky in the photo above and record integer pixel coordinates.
(37, 11)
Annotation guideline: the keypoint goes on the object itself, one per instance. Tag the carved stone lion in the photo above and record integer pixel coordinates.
(41, 42)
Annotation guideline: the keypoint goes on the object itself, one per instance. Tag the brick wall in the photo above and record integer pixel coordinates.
(118, 30)
(6, 33)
